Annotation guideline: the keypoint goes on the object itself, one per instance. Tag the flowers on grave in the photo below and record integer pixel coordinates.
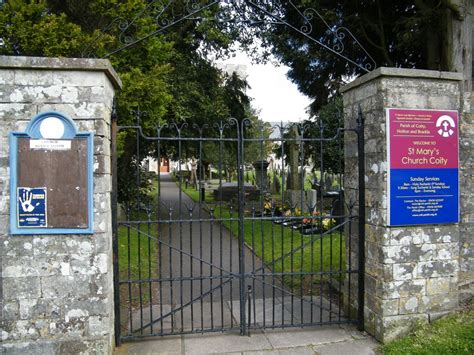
(267, 206)
(328, 223)
(323, 223)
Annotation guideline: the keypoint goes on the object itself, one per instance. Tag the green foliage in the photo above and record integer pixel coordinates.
(28, 28)
(330, 120)
(167, 75)
(396, 33)
(453, 334)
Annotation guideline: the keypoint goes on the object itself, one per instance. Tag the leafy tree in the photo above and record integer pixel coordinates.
(396, 33)
(166, 76)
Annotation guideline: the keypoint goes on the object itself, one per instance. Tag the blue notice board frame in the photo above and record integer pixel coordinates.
(34, 131)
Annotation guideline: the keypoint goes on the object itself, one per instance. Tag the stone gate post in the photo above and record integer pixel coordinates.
(412, 273)
(57, 290)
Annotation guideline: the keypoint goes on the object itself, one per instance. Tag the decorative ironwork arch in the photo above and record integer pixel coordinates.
(250, 12)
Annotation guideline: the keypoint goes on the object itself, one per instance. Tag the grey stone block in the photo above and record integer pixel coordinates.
(73, 286)
(24, 347)
(21, 287)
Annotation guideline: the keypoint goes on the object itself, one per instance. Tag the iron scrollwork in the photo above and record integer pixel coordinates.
(169, 13)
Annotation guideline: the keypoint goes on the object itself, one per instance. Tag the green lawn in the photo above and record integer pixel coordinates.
(286, 250)
(453, 334)
(138, 251)
(138, 259)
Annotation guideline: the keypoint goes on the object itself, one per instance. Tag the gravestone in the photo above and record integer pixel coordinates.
(193, 173)
(261, 167)
(276, 185)
(293, 184)
(229, 191)
(312, 199)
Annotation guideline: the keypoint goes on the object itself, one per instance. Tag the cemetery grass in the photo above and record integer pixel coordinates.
(137, 260)
(286, 250)
(453, 334)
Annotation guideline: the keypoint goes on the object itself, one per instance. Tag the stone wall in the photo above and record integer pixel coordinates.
(412, 273)
(57, 290)
(466, 228)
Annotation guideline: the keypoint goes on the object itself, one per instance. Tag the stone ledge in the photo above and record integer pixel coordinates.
(402, 72)
(66, 64)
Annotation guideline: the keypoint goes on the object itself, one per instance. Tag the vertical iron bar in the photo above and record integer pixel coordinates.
(191, 269)
(361, 236)
(249, 300)
(320, 220)
(303, 203)
(262, 235)
(139, 264)
(211, 260)
(253, 256)
(292, 265)
(231, 215)
(170, 255)
(341, 210)
(180, 216)
(150, 295)
(201, 265)
(138, 182)
(129, 275)
(115, 234)
(273, 267)
(240, 168)
(283, 181)
(160, 230)
(221, 251)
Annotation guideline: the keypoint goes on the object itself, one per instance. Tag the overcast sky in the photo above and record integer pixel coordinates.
(277, 98)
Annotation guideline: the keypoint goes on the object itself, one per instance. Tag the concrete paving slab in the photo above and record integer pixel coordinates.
(359, 347)
(222, 343)
(297, 337)
(356, 334)
(140, 319)
(169, 345)
(302, 350)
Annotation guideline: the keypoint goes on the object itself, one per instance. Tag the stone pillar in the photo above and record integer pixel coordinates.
(57, 290)
(412, 273)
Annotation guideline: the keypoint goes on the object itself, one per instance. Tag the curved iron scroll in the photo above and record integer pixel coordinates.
(249, 12)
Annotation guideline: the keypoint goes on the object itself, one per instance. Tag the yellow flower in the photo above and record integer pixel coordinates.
(328, 223)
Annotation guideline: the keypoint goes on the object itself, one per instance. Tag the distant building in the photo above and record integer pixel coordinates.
(239, 69)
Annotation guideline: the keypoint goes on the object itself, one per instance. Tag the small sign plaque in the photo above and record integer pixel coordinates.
(423, 174)
(49, 144)
(32, 205)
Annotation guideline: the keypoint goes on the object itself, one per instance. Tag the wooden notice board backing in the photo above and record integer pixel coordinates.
(64, 173)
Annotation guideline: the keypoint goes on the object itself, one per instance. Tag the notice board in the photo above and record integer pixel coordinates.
(423, 173)
(51, 175)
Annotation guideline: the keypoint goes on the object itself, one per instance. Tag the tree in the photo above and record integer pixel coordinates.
(167, 76)
(396, 33)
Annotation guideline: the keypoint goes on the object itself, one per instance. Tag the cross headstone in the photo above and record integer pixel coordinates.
(193, 172)
(294, 179)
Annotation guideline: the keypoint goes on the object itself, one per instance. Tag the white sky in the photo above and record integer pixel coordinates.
(277, 98)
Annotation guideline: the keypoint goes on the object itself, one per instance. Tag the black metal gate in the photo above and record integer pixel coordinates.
(224, 241)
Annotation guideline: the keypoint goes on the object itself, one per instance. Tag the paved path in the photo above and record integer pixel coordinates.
(200, 263)
(332, 340)
(199, 249)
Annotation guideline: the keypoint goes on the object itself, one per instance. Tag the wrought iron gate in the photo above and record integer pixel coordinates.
(224, 241)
